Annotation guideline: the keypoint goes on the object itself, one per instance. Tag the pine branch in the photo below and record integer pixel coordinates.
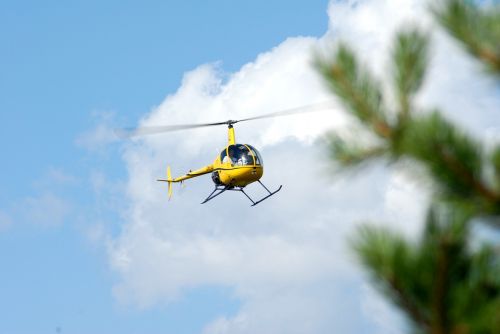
(350, 154)
(406, 303)
(410, 64)
(495, 161)
(453, 159)
(390, 260)
(477, 29)
(446, 237)
(440, 283)
(477, 299)
(357, 89)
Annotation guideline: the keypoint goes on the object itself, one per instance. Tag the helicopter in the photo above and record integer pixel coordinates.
(237, 166)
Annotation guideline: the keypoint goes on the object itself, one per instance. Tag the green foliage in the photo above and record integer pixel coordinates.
(453, 159)
(441, 282)
(353, 154)
(477, 29)
(455, 162)
(357, 88)
(495, 161)
(410, 64)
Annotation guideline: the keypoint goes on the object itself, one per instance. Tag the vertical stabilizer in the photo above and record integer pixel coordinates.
(169, 180)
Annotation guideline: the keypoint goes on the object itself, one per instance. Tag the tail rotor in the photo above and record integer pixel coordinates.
(169, 181)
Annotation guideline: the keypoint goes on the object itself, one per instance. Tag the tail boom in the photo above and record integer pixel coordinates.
(191, 174)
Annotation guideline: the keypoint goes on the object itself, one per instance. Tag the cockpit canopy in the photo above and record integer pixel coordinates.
(241, 155)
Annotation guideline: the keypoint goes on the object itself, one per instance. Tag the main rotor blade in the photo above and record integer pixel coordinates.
(299, 110)
(151, 130)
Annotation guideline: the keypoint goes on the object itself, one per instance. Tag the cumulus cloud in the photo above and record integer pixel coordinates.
(287, 259)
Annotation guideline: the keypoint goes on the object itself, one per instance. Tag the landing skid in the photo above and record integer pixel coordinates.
(220, 189)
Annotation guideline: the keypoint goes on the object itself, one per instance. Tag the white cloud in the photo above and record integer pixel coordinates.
(287, 259)
(98, 224)
(405, 203)
(389, 321)
(103, 134)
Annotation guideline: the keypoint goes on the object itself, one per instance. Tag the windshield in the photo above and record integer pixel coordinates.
(256, 154)
(240, 155)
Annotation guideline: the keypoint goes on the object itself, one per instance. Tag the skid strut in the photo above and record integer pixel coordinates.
(220, 189)
(217, 191)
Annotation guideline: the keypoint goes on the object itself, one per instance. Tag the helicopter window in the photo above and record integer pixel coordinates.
(256, 154)
(240, 155)
(223, 156)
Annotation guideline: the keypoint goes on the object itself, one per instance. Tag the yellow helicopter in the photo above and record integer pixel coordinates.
(237, 166)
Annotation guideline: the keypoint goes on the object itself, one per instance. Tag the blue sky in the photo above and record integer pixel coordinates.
(88, 242)
(60, 64)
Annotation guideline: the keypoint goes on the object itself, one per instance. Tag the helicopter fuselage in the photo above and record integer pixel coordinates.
(237, 165)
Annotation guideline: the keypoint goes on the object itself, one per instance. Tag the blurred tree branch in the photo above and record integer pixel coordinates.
(441, 283)
(478, 29)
